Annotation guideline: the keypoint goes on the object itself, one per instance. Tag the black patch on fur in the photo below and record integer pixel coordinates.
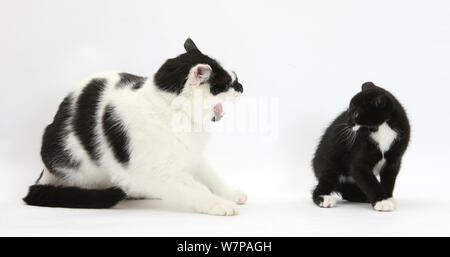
(340, 154)
(85, 121)
(116, 135)
(189, 45)
(130, 80)
(237, 86)
(73, 197)
(172, 75)
(53, 151)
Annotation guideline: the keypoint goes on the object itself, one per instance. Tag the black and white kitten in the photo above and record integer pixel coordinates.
(115, 135)
(359, 155)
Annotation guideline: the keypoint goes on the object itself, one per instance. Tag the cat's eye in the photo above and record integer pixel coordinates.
(352, 107)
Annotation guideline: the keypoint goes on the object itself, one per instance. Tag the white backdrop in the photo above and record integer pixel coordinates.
(310, 56)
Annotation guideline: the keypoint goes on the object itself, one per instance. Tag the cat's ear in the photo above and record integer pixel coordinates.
(202, 72)
(190, 46)
(367, 85)
(380, 101)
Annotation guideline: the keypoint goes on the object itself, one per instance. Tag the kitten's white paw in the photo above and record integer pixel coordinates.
(220, 207)
(393, 201)
(385, 205)
(237, 196)
(328, 201)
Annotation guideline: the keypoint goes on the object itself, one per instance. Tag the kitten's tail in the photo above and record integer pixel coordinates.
(73, 197)
(351, 192)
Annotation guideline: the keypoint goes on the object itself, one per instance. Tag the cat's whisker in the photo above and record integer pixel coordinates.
(354, 138)
(349, 135)
(344, 134)
(340, 135)
(341, 124)
(342, 131)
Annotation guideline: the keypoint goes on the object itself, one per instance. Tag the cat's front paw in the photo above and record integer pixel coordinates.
(219, 207)
(237, 196)
(327, 201)
(385, 205)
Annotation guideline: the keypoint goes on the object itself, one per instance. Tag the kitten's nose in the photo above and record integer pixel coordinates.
(351, 121)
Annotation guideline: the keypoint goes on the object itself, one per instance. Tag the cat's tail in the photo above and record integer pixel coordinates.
(73, 197)
(351, 192)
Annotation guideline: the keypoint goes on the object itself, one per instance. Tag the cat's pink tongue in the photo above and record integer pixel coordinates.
(218, 112)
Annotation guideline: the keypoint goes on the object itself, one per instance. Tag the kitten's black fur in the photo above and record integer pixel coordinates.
(172, 75)
(343, 152)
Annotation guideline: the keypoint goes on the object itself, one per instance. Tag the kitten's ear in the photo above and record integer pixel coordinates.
(190, 46)
(202, 72)
(380, 101)
(367, 85)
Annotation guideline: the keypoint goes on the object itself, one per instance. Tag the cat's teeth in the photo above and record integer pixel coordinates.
(356, 127)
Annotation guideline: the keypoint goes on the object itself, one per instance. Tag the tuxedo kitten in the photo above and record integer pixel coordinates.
(359, 155)
(114, 137)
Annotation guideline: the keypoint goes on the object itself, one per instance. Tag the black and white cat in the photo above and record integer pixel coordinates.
(365, 142)
(114, 137)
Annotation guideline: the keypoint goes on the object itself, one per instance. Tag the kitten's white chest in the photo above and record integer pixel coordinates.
(384, 137)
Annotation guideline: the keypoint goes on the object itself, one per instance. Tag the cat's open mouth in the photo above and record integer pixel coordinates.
(218, 112)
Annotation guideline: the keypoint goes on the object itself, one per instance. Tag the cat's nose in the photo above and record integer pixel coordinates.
(238, 87)
(351, 122)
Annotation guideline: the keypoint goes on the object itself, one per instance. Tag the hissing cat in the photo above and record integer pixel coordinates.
(365, 142)
(114, 137)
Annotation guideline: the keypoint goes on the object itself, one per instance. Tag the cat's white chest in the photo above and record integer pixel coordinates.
(384, 137)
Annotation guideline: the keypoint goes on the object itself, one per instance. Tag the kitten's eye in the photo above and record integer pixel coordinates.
(352, 107)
